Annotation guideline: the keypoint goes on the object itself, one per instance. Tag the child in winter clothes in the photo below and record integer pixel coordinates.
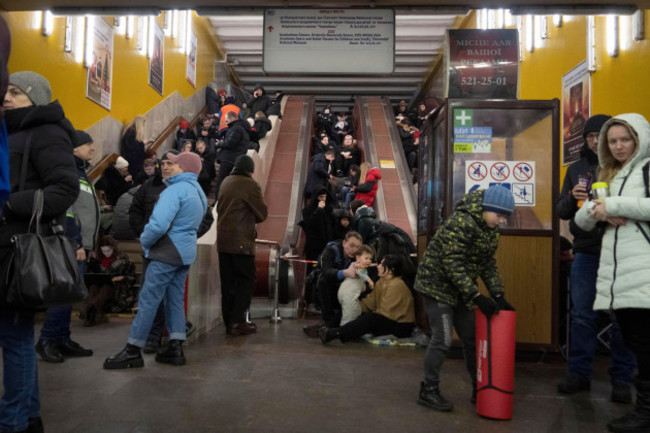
(351, 288)
(461, 251)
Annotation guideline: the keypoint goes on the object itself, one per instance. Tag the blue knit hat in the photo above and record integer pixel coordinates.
(498, 199)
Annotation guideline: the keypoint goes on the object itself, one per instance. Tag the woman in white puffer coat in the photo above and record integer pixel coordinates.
(624, 272)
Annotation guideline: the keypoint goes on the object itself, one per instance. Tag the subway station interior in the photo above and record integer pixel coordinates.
(543, 67)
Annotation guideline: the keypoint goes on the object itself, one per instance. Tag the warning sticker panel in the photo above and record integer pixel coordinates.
(517, 176)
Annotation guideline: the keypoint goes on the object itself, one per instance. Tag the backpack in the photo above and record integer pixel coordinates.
(312, 281)
(387, 238)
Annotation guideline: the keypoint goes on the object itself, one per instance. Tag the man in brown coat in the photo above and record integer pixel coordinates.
(239, 208)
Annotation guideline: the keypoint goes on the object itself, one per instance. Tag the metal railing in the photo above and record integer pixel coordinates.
(275, 317)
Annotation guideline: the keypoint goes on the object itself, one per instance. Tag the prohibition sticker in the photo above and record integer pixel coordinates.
(500, 171)
(477, 171)
(522, 171)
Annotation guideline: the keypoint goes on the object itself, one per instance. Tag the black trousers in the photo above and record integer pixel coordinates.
(373, 323)
(633, 323)
(225, 167)
(329, 304)
(237, 285)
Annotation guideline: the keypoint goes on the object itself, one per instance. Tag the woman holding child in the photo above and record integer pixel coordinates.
(388, 309)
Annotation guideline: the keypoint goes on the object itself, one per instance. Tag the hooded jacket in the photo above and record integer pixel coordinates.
(317, 223)
(623, 274)
(262, 125)
(236, 141)
(170, 235)
(51, 167)
(318, 175)
(239, 208)
(461, 251)
(567, 205)
(368, 189)
(261, 103)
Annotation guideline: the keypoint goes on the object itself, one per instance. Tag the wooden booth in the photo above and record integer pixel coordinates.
(472, 144)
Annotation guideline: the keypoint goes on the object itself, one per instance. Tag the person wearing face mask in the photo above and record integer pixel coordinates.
(33, 120)
(461, 251)
(111, 282)
(54, 343)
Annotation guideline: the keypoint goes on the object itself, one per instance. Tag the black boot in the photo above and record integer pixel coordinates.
(129, 357)
(328, 334)
(152, 346)
(430, 397)
(173, 354)
(637, 420)
(49, 351)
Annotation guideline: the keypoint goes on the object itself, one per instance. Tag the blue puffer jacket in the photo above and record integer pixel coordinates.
(170, 234)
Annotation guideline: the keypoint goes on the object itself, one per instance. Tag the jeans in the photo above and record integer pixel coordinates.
(347, 195)
(584, 325)
(57, 323)
(636, 333)
(156, 332)
(162, 282)
(441, 318)
(20, 400)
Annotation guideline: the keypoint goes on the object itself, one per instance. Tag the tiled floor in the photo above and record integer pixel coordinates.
(281, 381)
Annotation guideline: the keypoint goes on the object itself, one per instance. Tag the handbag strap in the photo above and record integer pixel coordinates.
(37, 211)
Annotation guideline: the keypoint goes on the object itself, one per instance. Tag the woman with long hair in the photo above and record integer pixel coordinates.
(623, 284)
(367, 190)
(133, 144)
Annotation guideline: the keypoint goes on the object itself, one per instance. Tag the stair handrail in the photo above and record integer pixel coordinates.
(96, 171)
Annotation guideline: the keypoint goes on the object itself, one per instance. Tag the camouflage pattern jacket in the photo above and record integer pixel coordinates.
(461, 251)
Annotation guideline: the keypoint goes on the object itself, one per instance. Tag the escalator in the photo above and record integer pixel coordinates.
(379, 140)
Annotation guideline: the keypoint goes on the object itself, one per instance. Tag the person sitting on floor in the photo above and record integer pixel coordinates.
(111, 282)
(351, 288)
(388, 309)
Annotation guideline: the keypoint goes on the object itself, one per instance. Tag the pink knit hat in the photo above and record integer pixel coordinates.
(188, 161)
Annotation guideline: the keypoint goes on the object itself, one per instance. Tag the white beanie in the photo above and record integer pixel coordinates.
(121, 163)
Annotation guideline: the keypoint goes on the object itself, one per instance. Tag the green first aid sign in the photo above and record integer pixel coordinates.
(463, 117)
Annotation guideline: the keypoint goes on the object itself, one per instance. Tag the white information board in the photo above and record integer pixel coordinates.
(332, 41)
(517, 176)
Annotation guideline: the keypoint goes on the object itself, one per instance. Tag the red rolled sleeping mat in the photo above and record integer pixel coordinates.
(495, 364)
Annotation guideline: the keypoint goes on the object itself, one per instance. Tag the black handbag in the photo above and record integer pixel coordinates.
(42, 269)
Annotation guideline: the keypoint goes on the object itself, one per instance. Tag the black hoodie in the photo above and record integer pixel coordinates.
(567, 205)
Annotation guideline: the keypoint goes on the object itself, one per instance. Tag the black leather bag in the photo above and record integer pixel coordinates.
(43, 269)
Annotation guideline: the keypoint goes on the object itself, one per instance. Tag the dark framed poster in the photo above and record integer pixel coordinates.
(157, 60)
(482, 64)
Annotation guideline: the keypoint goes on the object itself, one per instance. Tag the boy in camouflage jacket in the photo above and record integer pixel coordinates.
(461, 251)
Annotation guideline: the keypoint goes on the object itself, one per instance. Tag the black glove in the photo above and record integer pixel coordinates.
(502, 304)
(486, 305)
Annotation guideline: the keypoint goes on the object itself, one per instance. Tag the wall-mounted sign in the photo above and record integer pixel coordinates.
(482, 64)
(575, 111)
(517, 176)
(99, 82)
(191, 61)
(157, 60)
(333, 41)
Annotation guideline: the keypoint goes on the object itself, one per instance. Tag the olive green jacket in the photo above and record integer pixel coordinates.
(461, 251)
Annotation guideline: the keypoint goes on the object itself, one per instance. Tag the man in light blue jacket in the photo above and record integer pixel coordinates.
(169, 241)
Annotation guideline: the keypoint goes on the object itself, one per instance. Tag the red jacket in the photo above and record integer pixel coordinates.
(367, 190)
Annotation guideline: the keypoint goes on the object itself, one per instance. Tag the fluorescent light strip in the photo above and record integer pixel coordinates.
(612, 35)
(530, 33)
(48, 23)
(90, 31)
(591, 43)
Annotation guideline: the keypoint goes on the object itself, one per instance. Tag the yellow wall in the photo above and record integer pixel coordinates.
(619, 84)
(132, 94)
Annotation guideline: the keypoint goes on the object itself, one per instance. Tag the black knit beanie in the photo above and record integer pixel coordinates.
(595, 124)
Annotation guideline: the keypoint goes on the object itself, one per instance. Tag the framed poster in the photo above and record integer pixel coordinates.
(157, 60)
(191, 61)
(100, 71)
(482, 64)
(576, 104)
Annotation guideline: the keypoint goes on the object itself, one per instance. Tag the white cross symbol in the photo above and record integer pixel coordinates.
(463, 117)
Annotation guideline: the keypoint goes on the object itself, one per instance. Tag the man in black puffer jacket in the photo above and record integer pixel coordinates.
(236, 142)
(30, 119)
